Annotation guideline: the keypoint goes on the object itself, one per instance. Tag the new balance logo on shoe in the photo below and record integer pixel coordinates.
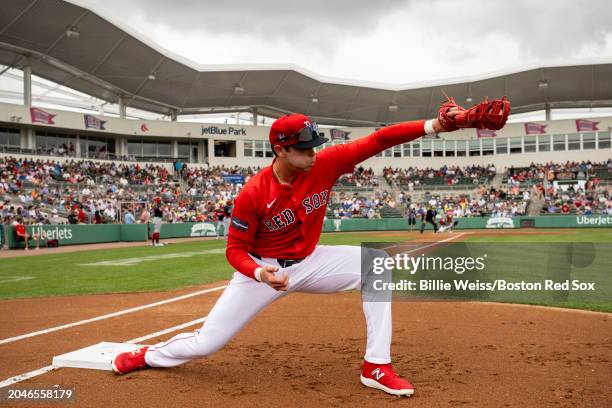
(377, 374)
(382, 377)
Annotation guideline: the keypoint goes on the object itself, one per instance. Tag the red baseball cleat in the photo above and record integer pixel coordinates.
(131, 361)
(382, 377)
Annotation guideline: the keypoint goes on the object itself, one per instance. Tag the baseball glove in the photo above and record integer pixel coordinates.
(486, 115)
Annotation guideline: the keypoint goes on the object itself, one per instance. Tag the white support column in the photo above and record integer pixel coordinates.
(124, 146)
(122, 107)
(175, 148)
(551, 141)
(27, 83)
(202, 157)
(77, 146)
(211, 151)
(121, 146)
(27, 100)
(240, 149)
(23, 139)
(255, 116)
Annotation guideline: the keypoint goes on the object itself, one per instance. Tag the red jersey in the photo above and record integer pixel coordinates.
(20, 229)
(275, 220)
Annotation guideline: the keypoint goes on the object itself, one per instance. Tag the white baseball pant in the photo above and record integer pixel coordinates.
(223, 226)
(157, 224)
(328, 269)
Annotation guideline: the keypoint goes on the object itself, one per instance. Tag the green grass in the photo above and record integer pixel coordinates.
(65, 273)
(530, 262)
(551, 235)
(522, 262)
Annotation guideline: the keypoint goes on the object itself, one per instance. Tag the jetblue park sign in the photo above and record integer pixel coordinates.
(230, 131)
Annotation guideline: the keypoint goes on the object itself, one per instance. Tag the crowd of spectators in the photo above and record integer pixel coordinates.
(585, 170)
(579, 189)
(47, 191)
(346, 205)
(483, 202)
(361, 177)
(84, 191)
(573, 199)
(412, 177)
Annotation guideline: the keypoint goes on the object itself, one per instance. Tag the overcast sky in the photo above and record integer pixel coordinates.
(391, 41)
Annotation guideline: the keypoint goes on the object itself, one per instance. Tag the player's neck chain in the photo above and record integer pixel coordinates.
(279, 179)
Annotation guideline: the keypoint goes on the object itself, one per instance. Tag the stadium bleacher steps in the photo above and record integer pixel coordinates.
(497, 181)
(535, 206)
(385, 185)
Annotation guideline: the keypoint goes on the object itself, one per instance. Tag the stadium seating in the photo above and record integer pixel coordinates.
(43, 190)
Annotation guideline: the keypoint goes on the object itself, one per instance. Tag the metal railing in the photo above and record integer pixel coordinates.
(93, 156)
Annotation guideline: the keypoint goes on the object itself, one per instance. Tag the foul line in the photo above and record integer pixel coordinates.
(26, 376)
(166, 331)
(16, 279)
(108, 316)
(425, 246)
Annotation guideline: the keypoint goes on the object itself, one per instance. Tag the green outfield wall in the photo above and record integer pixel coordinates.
(94, 234)
(90, 234)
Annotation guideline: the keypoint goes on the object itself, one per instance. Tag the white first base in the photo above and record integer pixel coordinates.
(96, 357)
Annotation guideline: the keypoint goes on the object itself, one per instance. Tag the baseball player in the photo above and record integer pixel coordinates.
(429, 216)
(274, 229)
(447, 224)
(158, 216)
(227, 213)
(223, 213)
(412, 217)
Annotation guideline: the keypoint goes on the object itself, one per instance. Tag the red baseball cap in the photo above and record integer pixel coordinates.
(295, 130)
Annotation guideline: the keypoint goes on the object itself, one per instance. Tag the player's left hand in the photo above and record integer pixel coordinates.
(269, 275)
(451, 114)
(489, 114)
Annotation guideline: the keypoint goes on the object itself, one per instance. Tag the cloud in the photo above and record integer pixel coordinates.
(543, 28)
(263, 18)
(392, 41)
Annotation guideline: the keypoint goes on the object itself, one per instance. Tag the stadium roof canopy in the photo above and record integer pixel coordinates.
(73, 46)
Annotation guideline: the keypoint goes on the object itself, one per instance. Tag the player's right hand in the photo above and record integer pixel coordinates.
(269, 276)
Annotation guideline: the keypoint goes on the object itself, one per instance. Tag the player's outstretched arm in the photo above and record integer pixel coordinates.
(485, 115)
(343, 158)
